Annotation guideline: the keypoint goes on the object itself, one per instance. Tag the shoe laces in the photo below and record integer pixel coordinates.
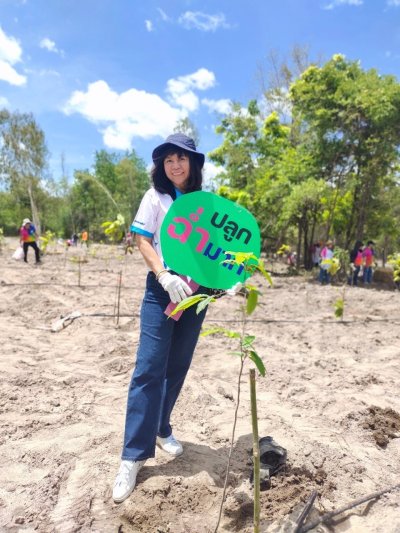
(172, 440)
(124, 472)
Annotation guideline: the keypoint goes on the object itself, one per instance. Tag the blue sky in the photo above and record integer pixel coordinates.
(118, 74)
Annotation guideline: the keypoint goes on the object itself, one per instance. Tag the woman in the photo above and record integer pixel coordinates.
(368, 261)
(326, 255)
(356, 259)
(166, 346)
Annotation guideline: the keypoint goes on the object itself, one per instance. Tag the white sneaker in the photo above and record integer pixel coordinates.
(170, 445)
(126, 479)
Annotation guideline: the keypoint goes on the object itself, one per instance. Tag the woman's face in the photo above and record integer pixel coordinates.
(177, 170)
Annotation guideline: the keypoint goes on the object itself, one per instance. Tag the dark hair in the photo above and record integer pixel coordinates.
(163, 185)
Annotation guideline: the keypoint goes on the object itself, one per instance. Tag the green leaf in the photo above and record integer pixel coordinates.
(188, 302)
(241, 257)
(258, 362)
(251, 304)
(266, 274)
(240, 354)
(248, 340)
(339, 308)
(203, 304)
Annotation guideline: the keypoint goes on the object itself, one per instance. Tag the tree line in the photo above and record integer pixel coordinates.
(114, 185)
(324, 163)
(316, 158)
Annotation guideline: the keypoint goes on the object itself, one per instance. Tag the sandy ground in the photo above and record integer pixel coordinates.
(330, 397)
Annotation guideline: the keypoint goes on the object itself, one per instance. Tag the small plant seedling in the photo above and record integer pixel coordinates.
(79, 261)
(115, 230)
(394, 260)
(339, 304)
(45, 240)
(339, 308)
(246, 351)
(284, 250)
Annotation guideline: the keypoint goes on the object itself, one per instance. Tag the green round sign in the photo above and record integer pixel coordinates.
(199, 230)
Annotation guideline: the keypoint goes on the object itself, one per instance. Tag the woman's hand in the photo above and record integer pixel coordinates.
(177, 289)
(235, 289)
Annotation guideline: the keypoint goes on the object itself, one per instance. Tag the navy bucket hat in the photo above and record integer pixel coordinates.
(181, 141)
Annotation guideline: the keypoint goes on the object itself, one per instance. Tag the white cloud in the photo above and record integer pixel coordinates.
(337, 3)
(181, 90)
(393, 3)
(149, 25)
(10, 49)
(4, 102)
(202, 21)
(50, 45)
(163, 15)
(10, 75)
(210, 172)
(121, 117)
(49, 72)
(222, 106)
(10, 53)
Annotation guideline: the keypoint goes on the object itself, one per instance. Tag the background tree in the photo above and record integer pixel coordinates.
(326, 168)
(186, 126)
(23, 158)
(116, 185)
(239, 150)
(354, 117)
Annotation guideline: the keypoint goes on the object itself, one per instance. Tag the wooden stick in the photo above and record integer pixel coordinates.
(119, 295)
(256, 450)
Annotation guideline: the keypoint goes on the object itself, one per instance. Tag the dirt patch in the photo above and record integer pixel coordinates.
(63, 397)
(384, 424)
(291, 486)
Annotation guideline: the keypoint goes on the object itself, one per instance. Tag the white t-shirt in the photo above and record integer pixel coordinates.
(150, 216)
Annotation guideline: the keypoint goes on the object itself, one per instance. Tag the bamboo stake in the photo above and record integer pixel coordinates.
(256, 451)
(119, 294)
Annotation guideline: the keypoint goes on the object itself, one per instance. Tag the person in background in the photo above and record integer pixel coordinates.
(326, 253)
(356, 260)
(28, 237)
(128, 244)
(84, 238)
(166, 345)
(368, 260)
(316, 254)
(74, 239)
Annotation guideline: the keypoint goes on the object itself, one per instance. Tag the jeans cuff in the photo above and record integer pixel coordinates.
(125, 458)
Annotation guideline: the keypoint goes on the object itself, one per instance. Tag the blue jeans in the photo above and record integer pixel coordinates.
(324, 276)
(163, 359)
(355, 274)
(367, 275)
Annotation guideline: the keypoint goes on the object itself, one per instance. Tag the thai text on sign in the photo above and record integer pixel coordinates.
(199, 231)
